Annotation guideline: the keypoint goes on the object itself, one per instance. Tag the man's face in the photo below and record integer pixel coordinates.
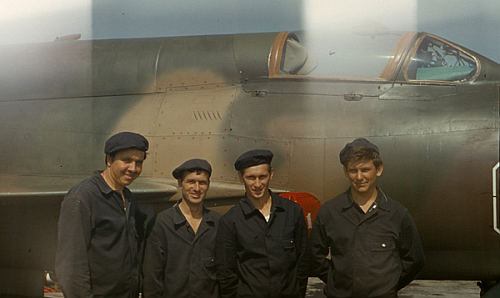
(125, 167)
(362, 175)
(256, 180)
(194, 187)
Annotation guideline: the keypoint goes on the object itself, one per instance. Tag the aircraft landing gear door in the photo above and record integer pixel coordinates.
(496, 211)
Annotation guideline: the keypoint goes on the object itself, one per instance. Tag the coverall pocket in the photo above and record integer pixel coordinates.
(209, 263)
(288, 244)
(382, 245)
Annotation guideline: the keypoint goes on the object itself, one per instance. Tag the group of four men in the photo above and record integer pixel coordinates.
(362, 244)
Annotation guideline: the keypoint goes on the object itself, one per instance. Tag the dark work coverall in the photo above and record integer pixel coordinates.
(179, 263)
(372, 255)
(98, 241)
(262, 259)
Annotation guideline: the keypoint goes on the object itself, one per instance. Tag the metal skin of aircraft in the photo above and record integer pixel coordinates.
(430, 105)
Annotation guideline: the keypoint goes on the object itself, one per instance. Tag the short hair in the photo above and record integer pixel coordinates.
(357, 154)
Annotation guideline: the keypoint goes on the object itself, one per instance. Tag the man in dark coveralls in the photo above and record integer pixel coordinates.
(99, 226)
(262, 240)
(372, 241)
(180, 252)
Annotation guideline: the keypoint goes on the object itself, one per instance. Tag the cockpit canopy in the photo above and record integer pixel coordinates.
(420, 56)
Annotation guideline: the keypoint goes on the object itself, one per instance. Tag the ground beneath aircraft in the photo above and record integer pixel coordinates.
(417, 289)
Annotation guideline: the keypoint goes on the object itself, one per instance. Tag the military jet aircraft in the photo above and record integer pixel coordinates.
(431, 106)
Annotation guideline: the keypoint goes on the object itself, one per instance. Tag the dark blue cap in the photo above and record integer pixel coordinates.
(125, 140)
(253, 158)
(192, 165)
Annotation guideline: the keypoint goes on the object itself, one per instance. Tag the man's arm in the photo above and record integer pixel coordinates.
(303, 249)
(410, 251)
(226, 259)
(140, 219)
(155, 256)
(72, 263)
(319, 250)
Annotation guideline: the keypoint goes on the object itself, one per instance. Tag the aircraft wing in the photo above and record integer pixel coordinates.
(145, 189)
(18, 192)
(55, 187)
